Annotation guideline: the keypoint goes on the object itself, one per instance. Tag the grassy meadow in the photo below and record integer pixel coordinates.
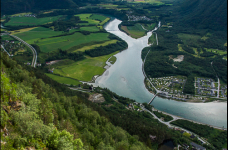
(67, 42)
(22, 30)
(149, 26)
(112, 60)
(43, 37)
(95, 45)
(16, 21)
(36, 34)
(86, 17)
(63, 80)
(90, 29)
(84, 70)
(97, 17)
(152, 39)
(135, 31)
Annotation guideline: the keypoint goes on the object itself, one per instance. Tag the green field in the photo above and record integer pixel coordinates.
(86, 17)
(135, 31)
(63, 80)
(96, 45)
(41, 36)
(152, 39)
(156, 2)
(149, 26)
(112, 60)
(108, 6)
(67, 42)
(84, 70)
(97, 17)
(103, 22)
(206, 36)
(16, 21)
(93, 19)
(90, 29)
(220, 52)
(34, 35)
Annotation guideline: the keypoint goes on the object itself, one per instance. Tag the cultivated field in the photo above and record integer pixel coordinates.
(135, 31)
(36, 34)
(98, 17)
(22, 30)
(95, 45)
(16, 21)
(63, 80)
(90, 29)
(67, 42)
(86, 17)
(41, 36)
(84, 70)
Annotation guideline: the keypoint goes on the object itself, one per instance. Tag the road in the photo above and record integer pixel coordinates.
(34, 60)
(5, 49)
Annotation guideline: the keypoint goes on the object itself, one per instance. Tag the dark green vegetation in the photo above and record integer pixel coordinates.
(35, 114)
(191, 40)
(59, 113)
(214, 136)
(71, 37)
(164, 116)
(70, 110)
(17, 21)
(205, 14)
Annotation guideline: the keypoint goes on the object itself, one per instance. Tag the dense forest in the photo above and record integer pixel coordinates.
(39, 112)
(203, 14)
(214, 136)
(65, 118)
(34, 114)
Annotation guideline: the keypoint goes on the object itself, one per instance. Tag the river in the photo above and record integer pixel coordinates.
(126, 78)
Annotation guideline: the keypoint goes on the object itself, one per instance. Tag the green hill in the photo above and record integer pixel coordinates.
(204, 14)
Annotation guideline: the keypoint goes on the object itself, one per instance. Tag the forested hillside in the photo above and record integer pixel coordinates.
(18, 6)
(35, 115)
(205, 14)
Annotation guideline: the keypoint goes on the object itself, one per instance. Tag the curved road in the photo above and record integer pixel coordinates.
(172, 126)
(34, 60)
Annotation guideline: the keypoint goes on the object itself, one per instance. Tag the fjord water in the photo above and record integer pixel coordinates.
(126, 78)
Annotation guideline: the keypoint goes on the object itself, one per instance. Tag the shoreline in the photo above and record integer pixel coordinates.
(218, 100)
(143, 84)
(178, 117)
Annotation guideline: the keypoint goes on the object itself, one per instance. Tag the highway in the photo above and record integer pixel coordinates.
(34, 60)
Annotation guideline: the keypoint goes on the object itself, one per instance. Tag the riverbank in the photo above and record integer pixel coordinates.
(178, 117)
(126, 78)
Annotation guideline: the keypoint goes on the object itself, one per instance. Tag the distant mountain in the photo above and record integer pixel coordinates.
(210, 14)
(17, 6)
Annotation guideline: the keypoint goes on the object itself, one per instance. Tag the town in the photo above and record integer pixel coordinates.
(172, 88)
